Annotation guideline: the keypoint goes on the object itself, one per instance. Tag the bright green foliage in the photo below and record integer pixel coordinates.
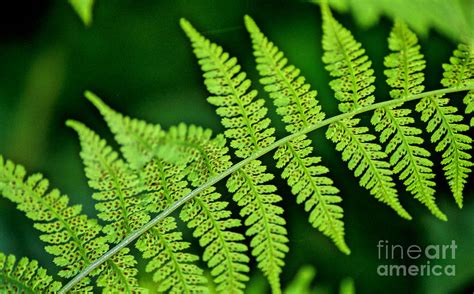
(164, 181)
(224, 251)
(469, 101)
(72, 237)
(24, 276)
(460, 72)
(160, 168)
(120, 203)
(294, 99)
(248, 129)
(164, 184)
(84, 9)
(243, 115)
(206, 214)
(366, 159)
(119, 275)
(117, 186)
(174, 270)
(446, 125)
(206, 156)
(138, 139)
(353, 86)
(347, 64)
(297, 104)
(263, 217)
(408, 158)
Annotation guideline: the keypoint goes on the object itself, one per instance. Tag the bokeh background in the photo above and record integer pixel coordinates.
(135, 56)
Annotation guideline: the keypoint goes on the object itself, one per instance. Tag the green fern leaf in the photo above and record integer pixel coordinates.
(117, 187)
(446, 125)
(24, 276)
(208, 216)
(224, 251)
(409, 159)
(469, 101)
(110, 175)
(174, 270)
(206, 156)
(298, 106)
(353, 86)
(248, 129)
(138, 139)
(460, 72)
(72, 237)
(205, 214)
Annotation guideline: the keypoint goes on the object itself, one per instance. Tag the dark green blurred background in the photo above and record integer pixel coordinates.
(136, 58)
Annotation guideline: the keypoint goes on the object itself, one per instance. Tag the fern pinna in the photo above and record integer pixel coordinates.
(159, 170)
(24, 276)
(74, 239)
(208, 217)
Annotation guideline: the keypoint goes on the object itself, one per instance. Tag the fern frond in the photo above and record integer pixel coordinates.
(24, 276)
(174, 270)
(295, 100)
(120, 204)
(224, 250)
(404, 144)
(138, 139)
(297, 104)
(207, 155)
(72, 237)
(347, 63)
(117, 187)
(248, 129)
(119, 190)
(366, 159)
(212, 223)
(446, 126)
(469, 101)
(353, 86)
(460, 72)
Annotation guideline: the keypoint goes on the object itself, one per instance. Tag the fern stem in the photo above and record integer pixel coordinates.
(166, 212)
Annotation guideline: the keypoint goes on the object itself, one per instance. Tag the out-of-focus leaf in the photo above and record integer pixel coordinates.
(301, 284)
(84, 9)
(347, 286)
(454, 18)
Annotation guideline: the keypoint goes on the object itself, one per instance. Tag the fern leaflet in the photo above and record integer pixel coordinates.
(74, 238)
(446, 125)
(117, 187)
(205, 214)
(409, 159)
(353, 87)
(24, 276)
(248, 129)
(298, 106)
(205, 156)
